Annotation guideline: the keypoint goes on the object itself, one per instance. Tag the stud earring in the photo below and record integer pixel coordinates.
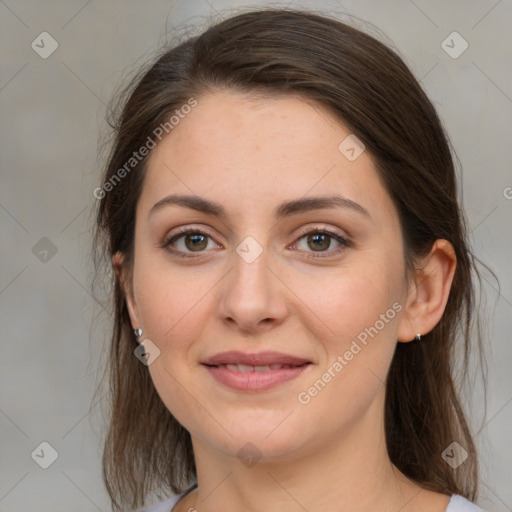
(138, 332)
(417, 337)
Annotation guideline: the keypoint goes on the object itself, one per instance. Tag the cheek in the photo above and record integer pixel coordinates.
(355, 319)
(343, 303)
(170, 300)
(175, 320)
(173, 307)
(358, 327)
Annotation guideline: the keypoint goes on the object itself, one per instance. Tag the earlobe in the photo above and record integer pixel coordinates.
(120, 270)
(429, 293)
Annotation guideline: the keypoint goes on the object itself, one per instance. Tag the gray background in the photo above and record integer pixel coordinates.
(52, 116)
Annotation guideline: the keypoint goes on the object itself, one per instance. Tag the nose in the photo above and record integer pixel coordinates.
(253, 297)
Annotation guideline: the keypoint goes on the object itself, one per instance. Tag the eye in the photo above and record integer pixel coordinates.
(194, 240)
(320, 241)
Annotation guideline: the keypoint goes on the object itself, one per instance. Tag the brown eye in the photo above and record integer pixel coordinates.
(320, 241)
(196, 242)
(188, 241)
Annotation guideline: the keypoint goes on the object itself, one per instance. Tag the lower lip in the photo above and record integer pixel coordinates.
(254, 381)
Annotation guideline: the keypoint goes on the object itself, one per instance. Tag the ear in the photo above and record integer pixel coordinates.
(124, 278)
(428, 293)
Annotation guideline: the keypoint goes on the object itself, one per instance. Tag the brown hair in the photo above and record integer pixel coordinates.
(370, 89)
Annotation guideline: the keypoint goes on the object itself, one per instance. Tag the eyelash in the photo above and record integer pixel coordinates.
(343, 241)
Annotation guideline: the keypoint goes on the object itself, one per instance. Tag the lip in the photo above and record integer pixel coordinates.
(254, 380)
(254, 359)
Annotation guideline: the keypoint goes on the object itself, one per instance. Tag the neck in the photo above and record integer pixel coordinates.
(351, 472)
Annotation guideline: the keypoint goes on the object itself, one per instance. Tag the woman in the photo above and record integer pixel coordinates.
(291, 275)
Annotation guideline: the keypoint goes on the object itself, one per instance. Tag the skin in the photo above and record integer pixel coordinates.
(250, 154)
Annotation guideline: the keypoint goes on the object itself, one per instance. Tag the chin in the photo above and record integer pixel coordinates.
(261, 435)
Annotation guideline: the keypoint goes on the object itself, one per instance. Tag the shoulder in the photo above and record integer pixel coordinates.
(164, 506)
(460, 504)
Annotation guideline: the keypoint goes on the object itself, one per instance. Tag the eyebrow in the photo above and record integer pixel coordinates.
(283, 210)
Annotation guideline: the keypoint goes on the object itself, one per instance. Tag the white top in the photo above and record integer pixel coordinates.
(457, 504)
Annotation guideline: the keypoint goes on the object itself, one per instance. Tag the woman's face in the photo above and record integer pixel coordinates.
(259, 283)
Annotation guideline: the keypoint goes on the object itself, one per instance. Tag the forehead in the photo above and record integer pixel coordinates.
(227, 125)
(250, 151)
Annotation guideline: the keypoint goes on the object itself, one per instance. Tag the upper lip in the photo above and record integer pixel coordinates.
(254, 359)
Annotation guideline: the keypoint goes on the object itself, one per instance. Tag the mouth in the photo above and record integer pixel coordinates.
(254, 372)
(244, 368)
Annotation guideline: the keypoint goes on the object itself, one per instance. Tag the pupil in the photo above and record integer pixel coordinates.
(194, 239)
(320, 237)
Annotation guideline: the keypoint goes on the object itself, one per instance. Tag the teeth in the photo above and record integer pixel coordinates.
(262, 368)
(244, 368)
(277, 366)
